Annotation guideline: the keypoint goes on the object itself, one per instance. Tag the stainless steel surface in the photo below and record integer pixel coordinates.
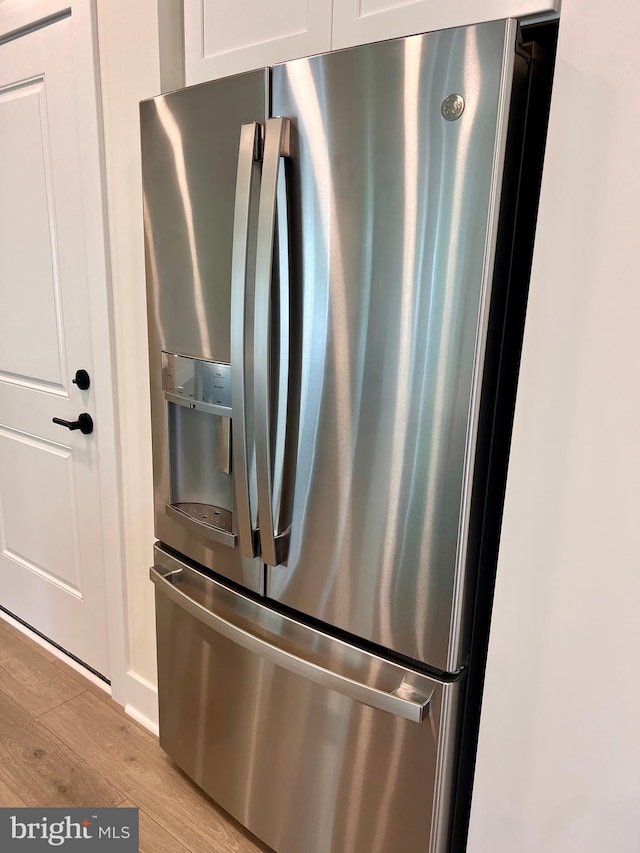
(190, 143)
(407, 696)
(223, 445)
(397, 230)
(213, 522)
(303, 766)
(277, 145)
(194, 455)
(325, 300)
(211, 408)
(286, 404)
(197, 383)
(461, 614)
(452, 107)
(248, 156)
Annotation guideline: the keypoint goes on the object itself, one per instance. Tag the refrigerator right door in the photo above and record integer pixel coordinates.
(395, 169)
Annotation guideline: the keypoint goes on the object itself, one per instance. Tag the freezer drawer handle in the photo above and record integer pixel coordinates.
(277, 145)
(404, 701)
(248, 155)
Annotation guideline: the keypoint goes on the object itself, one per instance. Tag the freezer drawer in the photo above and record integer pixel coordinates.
(313, 744)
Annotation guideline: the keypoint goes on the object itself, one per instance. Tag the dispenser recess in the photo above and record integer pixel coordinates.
(198, 395)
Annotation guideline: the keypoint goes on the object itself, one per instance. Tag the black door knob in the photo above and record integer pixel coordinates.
(82, 380)
(84, 423)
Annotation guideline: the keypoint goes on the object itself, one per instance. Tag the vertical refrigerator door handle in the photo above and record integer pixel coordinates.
(277, 145)
(248, 153)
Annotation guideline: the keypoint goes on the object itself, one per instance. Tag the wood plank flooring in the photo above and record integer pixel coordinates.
(64, 742)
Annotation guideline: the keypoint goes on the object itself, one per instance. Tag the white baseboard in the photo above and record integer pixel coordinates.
(55, 651)
(142, 701)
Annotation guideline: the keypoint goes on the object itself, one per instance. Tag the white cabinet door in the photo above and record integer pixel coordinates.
(225, 37)
(51, 562)
(363, 21)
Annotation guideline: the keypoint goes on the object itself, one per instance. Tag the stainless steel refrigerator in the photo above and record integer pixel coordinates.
(329, 249)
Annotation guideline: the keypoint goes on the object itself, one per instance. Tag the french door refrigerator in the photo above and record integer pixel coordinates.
(328, 247)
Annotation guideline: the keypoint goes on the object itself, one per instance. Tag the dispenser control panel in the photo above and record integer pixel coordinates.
(198, 384)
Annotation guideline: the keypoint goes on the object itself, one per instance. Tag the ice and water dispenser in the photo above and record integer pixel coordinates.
(198, 395)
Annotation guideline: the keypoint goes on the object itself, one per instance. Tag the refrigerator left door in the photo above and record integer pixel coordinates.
(201, 173)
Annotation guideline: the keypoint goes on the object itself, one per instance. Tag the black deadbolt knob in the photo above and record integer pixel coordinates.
(82, 380)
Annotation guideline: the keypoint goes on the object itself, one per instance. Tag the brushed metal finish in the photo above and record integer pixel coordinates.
(304, 767)
(200, 519)
(193, 459)
(408, 695)
(248, 152)
(190, 143)
(277, 145)
(223, 445)
(397, 234)
(197, 383)
(460, 623)
(204, 512)
(210, 408)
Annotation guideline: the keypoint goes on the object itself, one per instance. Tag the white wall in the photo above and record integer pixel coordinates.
(559, 754)
(130, 71)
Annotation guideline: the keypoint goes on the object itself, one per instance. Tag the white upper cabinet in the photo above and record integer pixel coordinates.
(362, 21)
(225, 37)
(230, 36)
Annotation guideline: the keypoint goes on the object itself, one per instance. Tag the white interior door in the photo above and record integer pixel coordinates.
(51, 558)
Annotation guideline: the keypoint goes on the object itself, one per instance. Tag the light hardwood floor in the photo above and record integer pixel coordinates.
(64, 742)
